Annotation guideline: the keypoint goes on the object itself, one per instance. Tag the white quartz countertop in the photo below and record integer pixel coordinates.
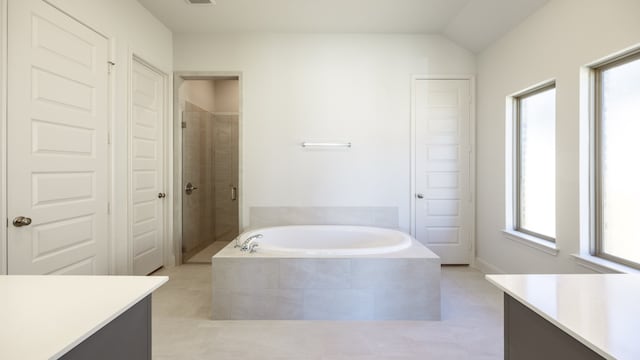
(43, 317)
(602, 311)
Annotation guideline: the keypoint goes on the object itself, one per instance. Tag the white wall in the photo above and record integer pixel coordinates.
(554, 43)
(334, 87)
(131, 29)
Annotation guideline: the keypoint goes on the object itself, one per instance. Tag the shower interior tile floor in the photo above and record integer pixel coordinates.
(204, 255)
(471, 326)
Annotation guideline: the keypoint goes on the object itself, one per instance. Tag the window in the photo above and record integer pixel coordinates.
(617, 166)
(535, 163)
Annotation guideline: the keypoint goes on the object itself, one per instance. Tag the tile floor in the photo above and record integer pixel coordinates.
(471, 326)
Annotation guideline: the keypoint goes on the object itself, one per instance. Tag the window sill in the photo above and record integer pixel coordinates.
(601, 265)
(531, 241)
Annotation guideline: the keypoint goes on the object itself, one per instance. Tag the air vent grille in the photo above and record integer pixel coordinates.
(201, 2)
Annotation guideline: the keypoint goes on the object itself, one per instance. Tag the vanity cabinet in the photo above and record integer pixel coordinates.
(570, 316)
(76, 317)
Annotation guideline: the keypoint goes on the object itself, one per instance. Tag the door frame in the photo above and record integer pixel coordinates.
(4, 256)
(178, 79)
(472, 153)
(167, 139)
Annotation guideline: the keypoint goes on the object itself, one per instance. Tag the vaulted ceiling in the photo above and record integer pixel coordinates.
(473, 24)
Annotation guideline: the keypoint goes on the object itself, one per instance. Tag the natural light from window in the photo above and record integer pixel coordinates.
(620, 162)
(537, 188)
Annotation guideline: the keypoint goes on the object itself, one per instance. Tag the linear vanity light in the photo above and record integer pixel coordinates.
(326, 145)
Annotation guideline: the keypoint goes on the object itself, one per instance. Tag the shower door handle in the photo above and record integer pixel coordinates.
(189, 188)
(234, 193)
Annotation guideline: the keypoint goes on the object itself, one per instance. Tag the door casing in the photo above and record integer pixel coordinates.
(3, 138)
(176, 197)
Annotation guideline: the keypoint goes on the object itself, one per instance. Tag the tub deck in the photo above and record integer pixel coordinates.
(401, 285)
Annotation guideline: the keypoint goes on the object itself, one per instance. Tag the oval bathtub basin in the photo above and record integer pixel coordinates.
(329, 240)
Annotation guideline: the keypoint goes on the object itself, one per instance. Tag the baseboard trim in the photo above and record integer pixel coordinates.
(485, 267)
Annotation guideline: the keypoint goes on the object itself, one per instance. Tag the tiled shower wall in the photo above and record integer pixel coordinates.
(225, 164)
(386, 217)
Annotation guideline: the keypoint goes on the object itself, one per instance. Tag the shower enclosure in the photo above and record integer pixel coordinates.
(209, 166)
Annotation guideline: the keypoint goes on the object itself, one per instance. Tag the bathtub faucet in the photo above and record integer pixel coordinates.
(246, 245)
(246, 241)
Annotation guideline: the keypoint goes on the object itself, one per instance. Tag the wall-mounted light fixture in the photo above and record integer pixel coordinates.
(326, 144)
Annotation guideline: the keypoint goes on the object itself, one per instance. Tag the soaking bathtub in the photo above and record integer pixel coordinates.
(326, 272)
(325, 240)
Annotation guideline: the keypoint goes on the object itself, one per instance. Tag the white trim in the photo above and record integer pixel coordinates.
(111, 121)
(485, 267)
(168, 251)
(614, 56)
(534, 87)
(176, 189)
(509, 171)
(531, 241)
(472, 153)
(601, 265)
(586, 166)
(178, 78)
(4, 255)
(510, 174)
(412, 159)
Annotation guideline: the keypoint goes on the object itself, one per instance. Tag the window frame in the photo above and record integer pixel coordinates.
(596, 173)
(517, 160)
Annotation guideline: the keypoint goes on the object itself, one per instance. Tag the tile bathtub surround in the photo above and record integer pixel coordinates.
(386, 217)
(403, 286)
(470, 328)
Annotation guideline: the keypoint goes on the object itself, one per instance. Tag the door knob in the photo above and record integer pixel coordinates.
(189, 188)
(162, 195)
(420, 196)
(21, 221)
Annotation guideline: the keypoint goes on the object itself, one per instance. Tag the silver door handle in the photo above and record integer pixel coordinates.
(234, 193)
(420, 196)
(189, 188)
(21, 221)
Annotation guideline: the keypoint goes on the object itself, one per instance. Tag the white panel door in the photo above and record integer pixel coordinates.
(443, 204)
(147, 188)
(57, 143)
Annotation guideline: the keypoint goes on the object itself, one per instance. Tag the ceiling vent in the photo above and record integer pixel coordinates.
(201, 2)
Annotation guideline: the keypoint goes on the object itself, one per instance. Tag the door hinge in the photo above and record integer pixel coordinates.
(108, 208)
(110, 65)
(109, 138)
(184, 124)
